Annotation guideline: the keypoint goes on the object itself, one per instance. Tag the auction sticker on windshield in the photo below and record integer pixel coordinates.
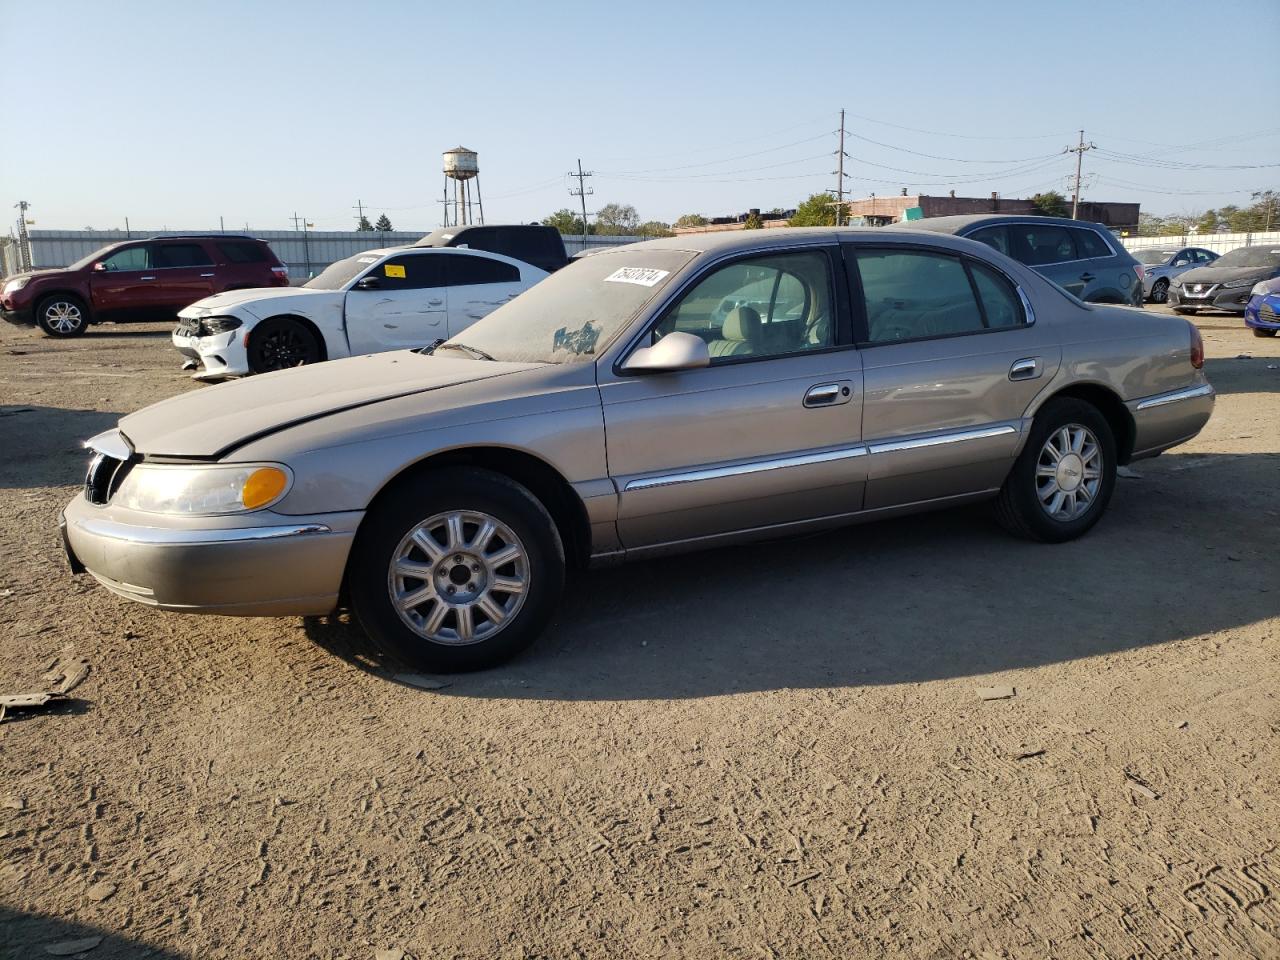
(394, 270)
(644, 276)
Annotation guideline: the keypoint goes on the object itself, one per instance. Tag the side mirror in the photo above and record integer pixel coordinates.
(367, 283)
(99, 267)
(675, 351)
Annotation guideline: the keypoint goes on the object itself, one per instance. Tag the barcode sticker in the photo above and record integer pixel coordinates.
(643, 276)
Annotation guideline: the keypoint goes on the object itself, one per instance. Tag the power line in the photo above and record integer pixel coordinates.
(933, 156)
(712, 163)
(958, 136)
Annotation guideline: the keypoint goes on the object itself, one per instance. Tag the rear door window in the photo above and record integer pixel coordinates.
(243, 252)
(995, 237)
(1204, 256)
(463, 270)
(1089, 245)
(181, 255)
(1037, 245)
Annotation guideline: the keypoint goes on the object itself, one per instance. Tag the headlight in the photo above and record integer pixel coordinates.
(17, 283)
(1150, 272)
(211, 325)
(200, 491)
(1241, 283)
(1264, 288)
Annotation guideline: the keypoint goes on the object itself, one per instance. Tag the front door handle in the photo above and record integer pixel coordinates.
(1028, 368)
(206, 274)
(828, 394)
(1086, 277)
(434, 303)
(146, 278)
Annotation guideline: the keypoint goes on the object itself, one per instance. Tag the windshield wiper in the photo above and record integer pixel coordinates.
(474, 351)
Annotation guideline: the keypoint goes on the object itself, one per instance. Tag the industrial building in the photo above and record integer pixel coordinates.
(876, 211)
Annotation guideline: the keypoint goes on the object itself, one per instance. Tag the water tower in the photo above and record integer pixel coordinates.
(463, 168)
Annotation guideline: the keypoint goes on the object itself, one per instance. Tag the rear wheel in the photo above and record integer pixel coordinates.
(1062, 481)
(1262, 333)
(456, 569)
(62, 315)
(1160, 291)
(280, 343)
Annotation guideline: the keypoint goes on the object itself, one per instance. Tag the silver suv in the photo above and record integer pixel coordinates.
(1081, 257)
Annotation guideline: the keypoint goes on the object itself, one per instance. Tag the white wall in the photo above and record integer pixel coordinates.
(1217, 242)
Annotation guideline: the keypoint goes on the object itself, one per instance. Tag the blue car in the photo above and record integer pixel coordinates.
(1262, 312)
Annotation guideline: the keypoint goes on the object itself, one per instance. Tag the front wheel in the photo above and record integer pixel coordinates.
(1262, 333)
(456, 569)
(62, 315)
(280, 343)
(1062, 481)
(1160, 291)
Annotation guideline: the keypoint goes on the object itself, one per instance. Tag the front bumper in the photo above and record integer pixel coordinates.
(279, 566)
(22, 316)
(1261, 315)
(216, 357)
(1168, 419)
(1231, 299)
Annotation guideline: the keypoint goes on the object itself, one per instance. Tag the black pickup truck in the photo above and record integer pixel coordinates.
(532, 242)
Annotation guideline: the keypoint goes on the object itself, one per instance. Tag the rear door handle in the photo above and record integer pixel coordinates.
(1086, 277)
(146, 278)
(828, 394)
(434, 303)
(206, 274)
(1028, 368)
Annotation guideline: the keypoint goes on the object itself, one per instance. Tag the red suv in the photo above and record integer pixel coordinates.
(139, 280)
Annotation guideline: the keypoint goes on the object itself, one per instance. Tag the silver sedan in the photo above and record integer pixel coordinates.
(1161, 264)
(671, 395)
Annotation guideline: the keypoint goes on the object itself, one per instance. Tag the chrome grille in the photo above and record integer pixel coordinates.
(104, 477)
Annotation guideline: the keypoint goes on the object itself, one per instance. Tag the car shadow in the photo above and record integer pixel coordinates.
(43, 444)
(33, 934)
(935, 596)
(1247, 374)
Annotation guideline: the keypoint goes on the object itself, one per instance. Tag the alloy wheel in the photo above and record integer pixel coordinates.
(63, 316)
(283, 348)
(1069, 472)
(1160, 292)
(458, 577)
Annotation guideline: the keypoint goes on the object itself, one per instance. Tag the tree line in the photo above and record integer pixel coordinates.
(1260, 216)
(382, 226)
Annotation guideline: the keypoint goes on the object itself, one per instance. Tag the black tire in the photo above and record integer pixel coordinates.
(1160, 291)
(1262, 333)
(281, 343)
(1018, 506)
(62, 315)
(388, 530)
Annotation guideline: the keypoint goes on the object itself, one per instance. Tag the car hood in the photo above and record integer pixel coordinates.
(258, 300)
(1215, 274)
(210, 422)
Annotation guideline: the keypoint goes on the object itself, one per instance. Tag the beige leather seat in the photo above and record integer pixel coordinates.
(739, 335)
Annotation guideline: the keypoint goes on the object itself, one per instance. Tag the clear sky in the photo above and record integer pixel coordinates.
(175, 113)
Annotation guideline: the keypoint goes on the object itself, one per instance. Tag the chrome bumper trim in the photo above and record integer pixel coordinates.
(163, 536)
(742, 469)
(1189, 393)
(893, 446)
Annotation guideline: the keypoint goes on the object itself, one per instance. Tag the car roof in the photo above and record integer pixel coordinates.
(955, 224)
(728, 241)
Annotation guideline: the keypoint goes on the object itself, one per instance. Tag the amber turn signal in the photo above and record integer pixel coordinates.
(263, 486)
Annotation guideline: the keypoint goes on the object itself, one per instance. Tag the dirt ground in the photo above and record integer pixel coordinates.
(777, 751)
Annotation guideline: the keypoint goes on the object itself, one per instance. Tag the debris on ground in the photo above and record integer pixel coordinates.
(997, 693)
(1244, 356)
(1138, 786)
(1128, 474)
(69, 948)
(60, 678)
(394, 953)
(101, 891)
(419, 680)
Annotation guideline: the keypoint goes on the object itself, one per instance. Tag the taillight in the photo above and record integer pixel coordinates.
(1197, 347)
(1141, 271)
(281, 272)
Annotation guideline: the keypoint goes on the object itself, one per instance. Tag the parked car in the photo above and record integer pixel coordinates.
(1225, 283)
(1081, 257)
(1262, 314)
(139, 280)
(617, 411)
(533, 243)
(1160, 265)
(377, 300)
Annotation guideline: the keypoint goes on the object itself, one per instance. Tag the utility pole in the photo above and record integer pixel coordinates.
(840, 174)
(1079, 150)
(24, 241)
(359, 208)
(583, 191)
(306, 243)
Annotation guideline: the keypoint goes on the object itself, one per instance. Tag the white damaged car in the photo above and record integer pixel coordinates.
(390, 299)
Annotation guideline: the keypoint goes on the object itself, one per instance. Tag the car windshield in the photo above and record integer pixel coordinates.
(1153, 256)
(574, 314)
(338, 275)
(1249, 257)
